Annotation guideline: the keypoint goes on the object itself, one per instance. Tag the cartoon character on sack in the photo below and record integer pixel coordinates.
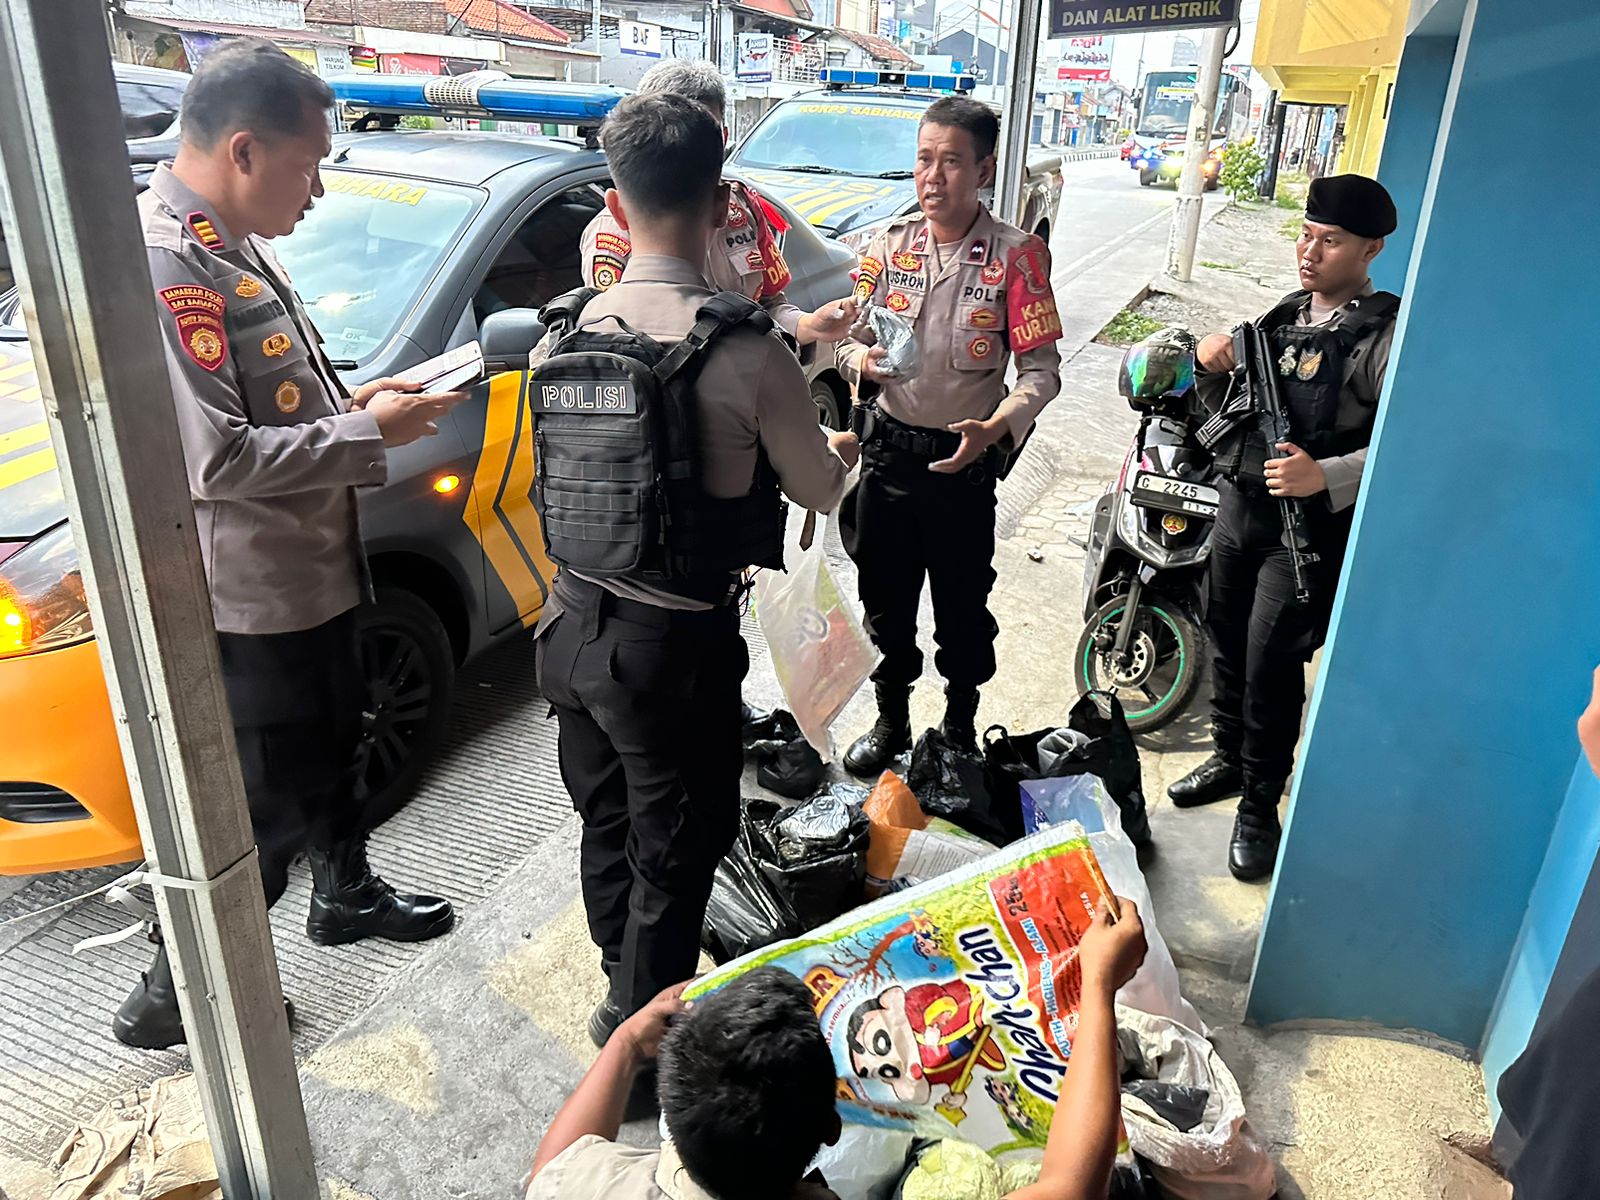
(916, 1039)
(1008, 1098)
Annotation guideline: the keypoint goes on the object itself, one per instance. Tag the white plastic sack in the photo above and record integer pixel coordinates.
(820, 652)
(1219, 1159)
(865, 1163)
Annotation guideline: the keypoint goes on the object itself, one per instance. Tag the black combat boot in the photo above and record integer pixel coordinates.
(1253, 852)
(609, 1013)
(349, 902)
(149, 1019)
(1215, 779)
(875, 749)
(960, 718)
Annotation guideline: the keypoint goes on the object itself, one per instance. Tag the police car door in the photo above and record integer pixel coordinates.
(533, 259)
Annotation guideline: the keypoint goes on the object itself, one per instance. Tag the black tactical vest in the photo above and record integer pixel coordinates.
(1310, 364)
(617, 450)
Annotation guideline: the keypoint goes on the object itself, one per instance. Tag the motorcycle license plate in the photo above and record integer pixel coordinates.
(1175, 495)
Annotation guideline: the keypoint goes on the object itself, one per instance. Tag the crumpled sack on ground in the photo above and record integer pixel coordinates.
(952, 783)
(907, 844)
(864, 1164)
(148, 1144)
(1220, 1158)
(785, 762)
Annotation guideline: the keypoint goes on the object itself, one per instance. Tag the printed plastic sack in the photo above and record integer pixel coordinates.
(950, 1006)
(820, 653)
(908, 844)
(1219, 1159)
(951, 783)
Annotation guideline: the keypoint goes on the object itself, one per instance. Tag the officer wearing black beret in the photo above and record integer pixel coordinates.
(1330, 345)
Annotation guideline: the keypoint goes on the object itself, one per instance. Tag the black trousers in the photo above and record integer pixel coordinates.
(902, 523)
(648, 704)
(296, 701)
(1261, 636)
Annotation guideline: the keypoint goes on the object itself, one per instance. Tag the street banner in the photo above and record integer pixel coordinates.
(754, 64)
(1070, 18)
(639, 38)
(1085, 58)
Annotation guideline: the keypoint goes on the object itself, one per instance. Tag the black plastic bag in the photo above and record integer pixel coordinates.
(1111, 755)
(746, 910)
(952, 783)
(794, 769)
(766, 732)
(1179, 1105)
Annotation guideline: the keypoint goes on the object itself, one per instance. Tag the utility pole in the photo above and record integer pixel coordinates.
(1191, 185)
(1018, 120)
(597, 41)
(91, 314)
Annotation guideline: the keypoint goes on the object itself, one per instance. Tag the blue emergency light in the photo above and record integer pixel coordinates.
(489, 95)
(843, 77)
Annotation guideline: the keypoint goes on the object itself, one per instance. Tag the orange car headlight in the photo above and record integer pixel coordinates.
(42, 604)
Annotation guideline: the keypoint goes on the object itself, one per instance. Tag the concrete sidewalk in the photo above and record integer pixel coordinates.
(442, 1086)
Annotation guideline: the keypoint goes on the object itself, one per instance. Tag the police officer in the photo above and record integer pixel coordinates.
(275, 448)
(743, 255)
(1330, 345)
(976, 291)
(644, 678)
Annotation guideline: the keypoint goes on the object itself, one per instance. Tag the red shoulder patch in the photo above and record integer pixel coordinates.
(613, 243)
(197, 313)
(1031, 316)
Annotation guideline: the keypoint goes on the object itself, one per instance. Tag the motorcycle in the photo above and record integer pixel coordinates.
(1149, 540)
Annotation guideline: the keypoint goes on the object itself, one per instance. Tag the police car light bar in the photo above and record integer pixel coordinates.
(486, 95)
(843, 77)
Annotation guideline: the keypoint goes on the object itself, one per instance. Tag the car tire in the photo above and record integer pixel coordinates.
(830, 408)
(1146, 178)
(410, 669)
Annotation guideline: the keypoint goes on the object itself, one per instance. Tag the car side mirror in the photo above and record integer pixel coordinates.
(507, 336)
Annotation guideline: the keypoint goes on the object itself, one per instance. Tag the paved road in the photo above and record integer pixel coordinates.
(495, 797)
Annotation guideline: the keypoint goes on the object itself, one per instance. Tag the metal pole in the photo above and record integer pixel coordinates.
(1269, 184)
(71, 224)
(1191, 186)
(1013, 165)
(597, 41)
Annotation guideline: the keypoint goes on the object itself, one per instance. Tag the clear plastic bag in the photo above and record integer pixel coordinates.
(902, 358)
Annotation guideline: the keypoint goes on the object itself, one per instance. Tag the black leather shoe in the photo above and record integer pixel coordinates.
(349, 902)
(960, 718)
(604, 1020)
(1253, 852)
(875, 749)
(1215, 779)
(149, 1018)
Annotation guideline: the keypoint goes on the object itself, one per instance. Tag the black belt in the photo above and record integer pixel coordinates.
(579, 593)
(931, 444)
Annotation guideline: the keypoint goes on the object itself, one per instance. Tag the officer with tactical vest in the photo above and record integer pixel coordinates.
(976, 291)
(744, 255)
(668, 418)
(275, 448)
(1329, 345)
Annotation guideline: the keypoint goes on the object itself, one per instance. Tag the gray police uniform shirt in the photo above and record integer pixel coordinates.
(753, 395)
(272, 449)
(1358, 404)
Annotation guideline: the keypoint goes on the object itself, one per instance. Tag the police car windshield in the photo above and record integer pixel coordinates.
(366, 249)
(846, 136)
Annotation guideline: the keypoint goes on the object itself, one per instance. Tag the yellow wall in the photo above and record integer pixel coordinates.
(1342, 52)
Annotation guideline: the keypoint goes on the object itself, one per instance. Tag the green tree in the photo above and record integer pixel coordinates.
(1242, 163)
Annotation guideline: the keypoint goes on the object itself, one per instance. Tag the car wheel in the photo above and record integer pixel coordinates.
(1146, 178)
(410, 671)
(830, 409)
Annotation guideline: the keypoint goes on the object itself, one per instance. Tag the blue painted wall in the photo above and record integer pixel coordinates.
(1555, 950)
(1440, 748)
(1408, 145)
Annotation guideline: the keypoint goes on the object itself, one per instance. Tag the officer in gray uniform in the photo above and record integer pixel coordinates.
(275, 448)
(1330, 346)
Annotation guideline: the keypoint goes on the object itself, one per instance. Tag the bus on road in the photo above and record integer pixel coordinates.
(1161, 136)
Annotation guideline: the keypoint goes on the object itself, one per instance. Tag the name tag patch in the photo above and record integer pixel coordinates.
(907, 281)
(584, 396)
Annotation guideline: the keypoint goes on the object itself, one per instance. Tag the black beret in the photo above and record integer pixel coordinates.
(1352, 202)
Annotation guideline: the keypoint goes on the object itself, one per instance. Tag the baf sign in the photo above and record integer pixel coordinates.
(1075, 18)
(638, 37)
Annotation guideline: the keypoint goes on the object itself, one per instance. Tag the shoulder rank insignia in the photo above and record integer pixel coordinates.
(248, 287)
(1287, 363)
(201, 226)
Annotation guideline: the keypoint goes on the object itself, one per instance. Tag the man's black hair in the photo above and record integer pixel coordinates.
(252, 85)
(665, 153)
(747, 1086)
(962, 112)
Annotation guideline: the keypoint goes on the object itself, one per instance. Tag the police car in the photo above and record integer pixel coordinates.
(841, 156)
(424, 241)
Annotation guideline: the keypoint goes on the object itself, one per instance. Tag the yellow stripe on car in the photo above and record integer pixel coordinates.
(29, 435)
(29, 466)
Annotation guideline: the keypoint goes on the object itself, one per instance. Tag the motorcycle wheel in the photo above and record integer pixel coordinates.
(1165, 661)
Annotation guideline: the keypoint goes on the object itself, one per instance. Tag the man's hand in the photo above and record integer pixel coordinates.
(1110, 952)
(403, 417)
(641, 1033)
(1215, 352)
(1589, 727)
(872, 365)
(830, 323)
(847, 446)
(1297, 475)
(372, 387)
(976, 437)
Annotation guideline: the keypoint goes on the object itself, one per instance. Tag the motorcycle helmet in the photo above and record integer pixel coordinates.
(1158, 368)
